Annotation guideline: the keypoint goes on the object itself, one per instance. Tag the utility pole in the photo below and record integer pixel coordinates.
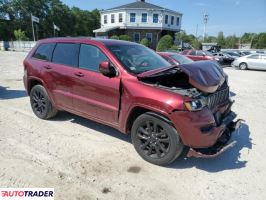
(205, 20)
(33, 34)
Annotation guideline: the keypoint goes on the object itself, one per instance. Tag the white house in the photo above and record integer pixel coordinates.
(139, 20)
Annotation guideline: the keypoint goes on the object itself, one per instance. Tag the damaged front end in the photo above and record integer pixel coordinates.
(207, 119)
(220, 146)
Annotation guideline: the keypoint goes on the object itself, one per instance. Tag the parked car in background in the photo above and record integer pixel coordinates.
(197, 55)
(232, 54)
(175, 58)
(245, 53)
(131, 88)
(226, 58)
(253, 61)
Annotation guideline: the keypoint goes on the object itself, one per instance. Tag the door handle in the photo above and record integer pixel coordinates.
(47, 67)
(79, 74)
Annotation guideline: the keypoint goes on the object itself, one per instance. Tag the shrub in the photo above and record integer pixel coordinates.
(125, 37)
(145, 42)
(115, 37)
(20, 35)
(165, 43)
(174, 48)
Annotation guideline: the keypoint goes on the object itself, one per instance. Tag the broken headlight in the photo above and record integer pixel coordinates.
(195, 104)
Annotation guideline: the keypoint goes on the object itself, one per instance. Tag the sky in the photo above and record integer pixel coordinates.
(230, 16)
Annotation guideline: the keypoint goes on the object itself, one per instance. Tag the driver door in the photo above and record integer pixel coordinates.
(94, 94)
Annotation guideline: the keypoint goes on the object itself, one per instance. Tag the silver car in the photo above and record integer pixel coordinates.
(252, 61)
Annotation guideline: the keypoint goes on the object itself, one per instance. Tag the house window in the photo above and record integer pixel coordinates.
(166, 19)
(172, 20)
(112, 18)
(105, 19)
(177, 21)
(144, 17)
(132, 17)
(120, 17)
(155, 18)
(137, 37)
(149, 36)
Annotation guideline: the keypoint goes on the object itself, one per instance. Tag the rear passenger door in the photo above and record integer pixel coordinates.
(59, 74)
(94, 94)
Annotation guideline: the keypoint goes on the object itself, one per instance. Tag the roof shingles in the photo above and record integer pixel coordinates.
(138, 5)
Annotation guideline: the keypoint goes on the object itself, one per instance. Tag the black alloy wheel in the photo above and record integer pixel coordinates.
(156, 140)
(40, 103)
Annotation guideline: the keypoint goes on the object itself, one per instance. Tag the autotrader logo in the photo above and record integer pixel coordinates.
(27, 193)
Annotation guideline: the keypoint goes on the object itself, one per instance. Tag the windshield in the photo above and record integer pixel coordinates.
(181, 59)
(137, 59)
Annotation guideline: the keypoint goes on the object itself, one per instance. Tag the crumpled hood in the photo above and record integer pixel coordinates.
(206, 76)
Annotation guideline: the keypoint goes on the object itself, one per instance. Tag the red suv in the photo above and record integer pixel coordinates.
(129, 87)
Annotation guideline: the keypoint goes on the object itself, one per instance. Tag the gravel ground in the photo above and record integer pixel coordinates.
(84, 160)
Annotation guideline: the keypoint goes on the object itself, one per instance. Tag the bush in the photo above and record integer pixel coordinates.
(165, 43)
(20, 35)
(115, 37)
(145, 42)
(125, 37)
(174, 48)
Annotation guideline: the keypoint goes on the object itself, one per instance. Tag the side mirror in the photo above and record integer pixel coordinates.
(107, 69)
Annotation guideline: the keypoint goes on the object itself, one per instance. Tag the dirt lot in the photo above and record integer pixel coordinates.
(84, 160)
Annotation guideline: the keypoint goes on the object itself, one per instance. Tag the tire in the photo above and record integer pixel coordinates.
(243, 66)
(41, 104)
(159, 146)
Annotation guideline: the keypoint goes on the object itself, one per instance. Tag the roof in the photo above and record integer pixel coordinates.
(140, 5)
(79, 39)
(105, 29)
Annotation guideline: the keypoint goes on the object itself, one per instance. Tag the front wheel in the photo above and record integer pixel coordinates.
(155, 140)
(243, 66)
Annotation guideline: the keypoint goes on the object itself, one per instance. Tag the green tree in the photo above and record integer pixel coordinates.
(20, 35)
(115, 37)
(165, 43)
(145, 42)
(221, 40)
(196, 44)
(231, 42)
(125, 37)
(259, 41)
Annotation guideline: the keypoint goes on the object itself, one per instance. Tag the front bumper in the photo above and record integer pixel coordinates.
(221, 145)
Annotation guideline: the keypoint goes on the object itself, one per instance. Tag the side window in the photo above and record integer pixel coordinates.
(254, 57)
(200, 53)
(90, 57)
(193, 53)
(66, 54)
(44, 52)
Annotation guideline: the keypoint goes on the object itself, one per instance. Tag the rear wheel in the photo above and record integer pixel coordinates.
(40, 103)
(243, 66)
(155, 140)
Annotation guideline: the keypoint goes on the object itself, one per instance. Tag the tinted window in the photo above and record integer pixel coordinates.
(44, 52)
(90, 57)
(66, 54)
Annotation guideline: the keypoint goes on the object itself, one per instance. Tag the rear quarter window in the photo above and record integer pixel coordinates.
(44, 52)
(66, 54)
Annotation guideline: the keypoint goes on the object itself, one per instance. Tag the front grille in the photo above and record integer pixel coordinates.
(217, 98)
